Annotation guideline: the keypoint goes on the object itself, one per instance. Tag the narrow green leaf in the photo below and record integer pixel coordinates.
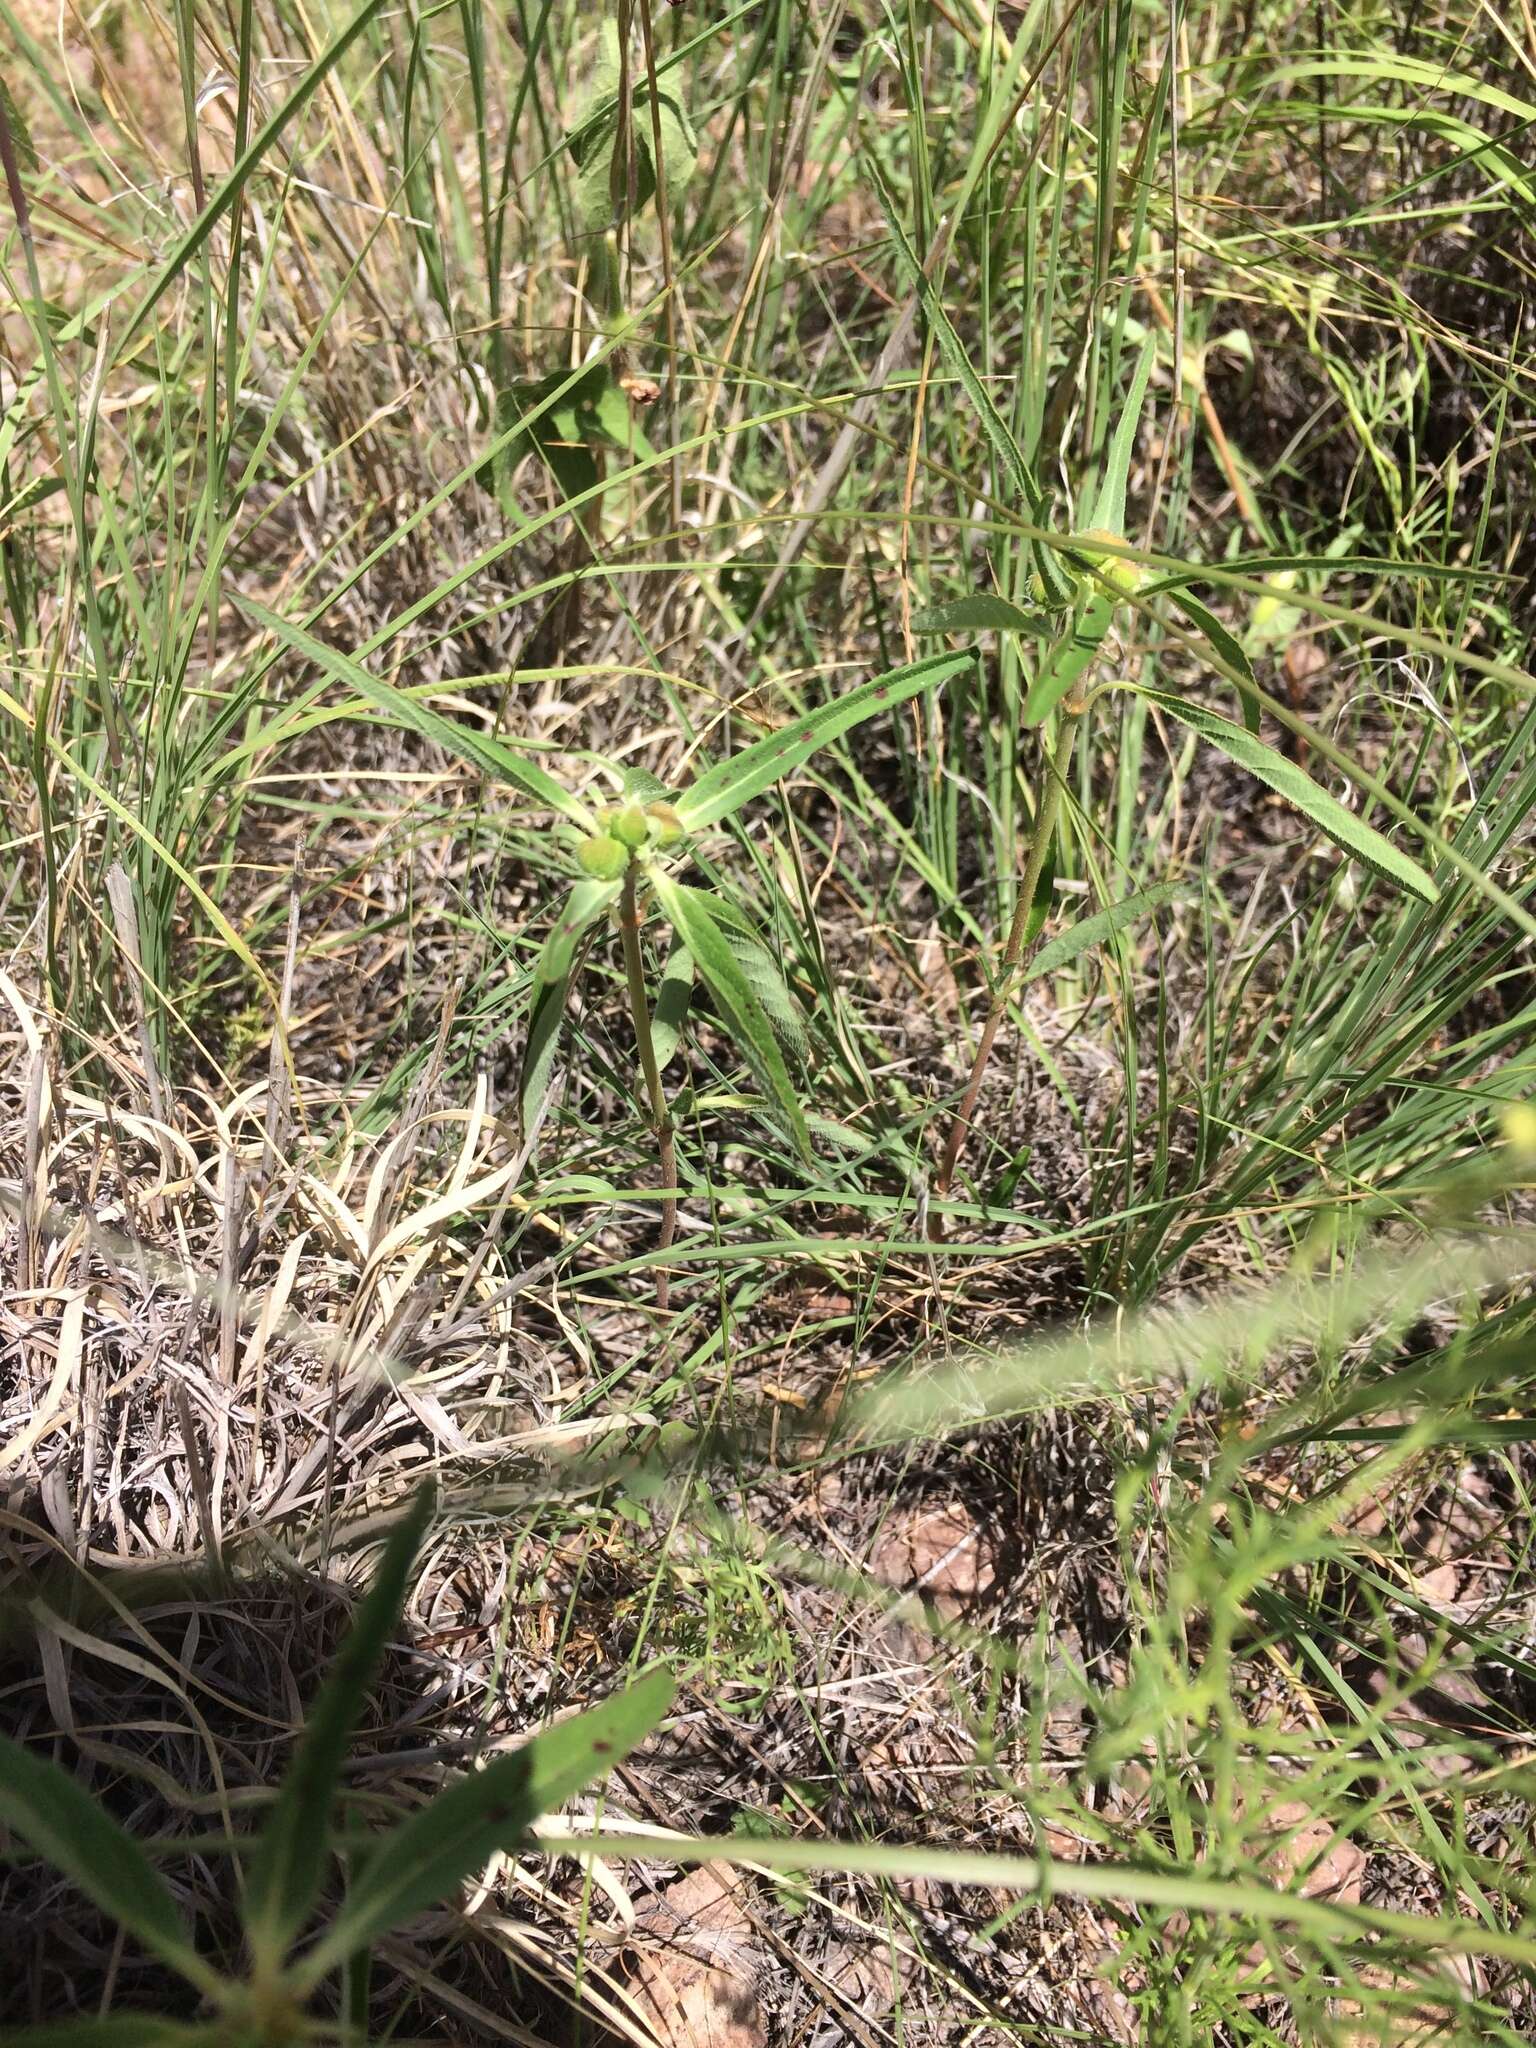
(733, 782)
(1226, 648)
(422, 1860)
(1352, 834)
(546, 1022)
(980, 613)
(284, 1874)
(1040, 906)
(586, 902)
(691, 913)
(1093, 931)
(1071, 656)
(674, 993)
(46, 1807)
(491, 756)
(1109, 506)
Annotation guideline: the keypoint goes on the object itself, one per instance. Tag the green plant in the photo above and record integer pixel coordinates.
(392, 1876)
(1076, 609)
(626, 853)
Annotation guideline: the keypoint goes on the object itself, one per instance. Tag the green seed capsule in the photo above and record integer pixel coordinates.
(629, 825)
(1126, 577)
(603, 858)
(666, 826)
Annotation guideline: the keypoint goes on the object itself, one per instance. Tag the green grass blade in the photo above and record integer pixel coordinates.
(491, 756)
(1358, 839)
(66, 1827)
(733, 782)
(691, 913)
(255, 150)
(286, 1870)
(436, 1848)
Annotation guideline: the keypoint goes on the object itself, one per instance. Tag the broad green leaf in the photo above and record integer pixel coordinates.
(284, 1875)
(1092, 931)
(491, 756)
(673, 995)
(422, 1860)
(733, 782)
(1109, 505)
(1071, 656)
(61, 1821)
(587, 901)
(692, 915)
(1356, 838)
(1057, 585)
(758, 962)
(1225, 648)
(979, 614)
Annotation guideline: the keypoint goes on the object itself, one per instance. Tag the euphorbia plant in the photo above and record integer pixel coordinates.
(629, 854)
(1076, 584)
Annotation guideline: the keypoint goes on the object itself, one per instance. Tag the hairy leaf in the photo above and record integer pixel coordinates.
(1093, 931)
(980, 613)
(492, 757)
(694, 917)
(59, 1818)
(1363, 841)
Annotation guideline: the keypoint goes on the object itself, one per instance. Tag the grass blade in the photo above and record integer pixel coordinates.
(735, 781)
(1363, 842)
(235, 183)
(286, 1870)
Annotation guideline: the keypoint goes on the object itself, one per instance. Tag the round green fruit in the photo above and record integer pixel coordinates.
(1118, 573)
(665, 825)
(630, 825)
(603, 857)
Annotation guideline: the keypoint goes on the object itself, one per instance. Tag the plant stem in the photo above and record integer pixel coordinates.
(1053, 773)
(661, 1117)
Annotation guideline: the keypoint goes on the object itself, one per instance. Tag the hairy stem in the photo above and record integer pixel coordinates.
(1053, 773)
(661, 1116)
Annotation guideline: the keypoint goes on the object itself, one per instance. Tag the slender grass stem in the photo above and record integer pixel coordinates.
(661, 1116)
(1053, 774)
